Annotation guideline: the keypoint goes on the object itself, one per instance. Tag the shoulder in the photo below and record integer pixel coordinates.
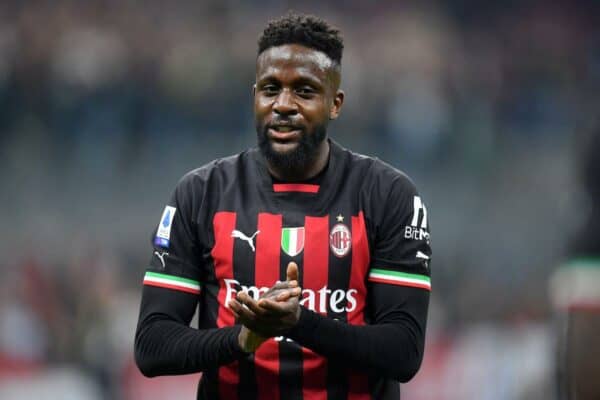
(396, 183)
(379, 178)
(206, 182)
(213, 172)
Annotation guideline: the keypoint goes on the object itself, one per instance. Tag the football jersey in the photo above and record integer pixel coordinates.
(229, 226)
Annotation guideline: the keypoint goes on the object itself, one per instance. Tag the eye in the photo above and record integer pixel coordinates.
(270, 90)
(305, 91)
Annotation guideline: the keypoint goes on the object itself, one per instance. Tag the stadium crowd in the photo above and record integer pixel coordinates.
(103, 104)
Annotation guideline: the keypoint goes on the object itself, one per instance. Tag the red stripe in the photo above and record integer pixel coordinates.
(266, 358)
(584, 307)
(222, 254)
(360, 268)
(300, 237)
(409, 284)
(315, 276)
(358, 383)
(168, 286)
(295, 187)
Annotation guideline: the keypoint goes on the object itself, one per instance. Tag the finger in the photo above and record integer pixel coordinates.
(234, 304)
(284, 285)
(278, 287)
(267, 325)
(243, 314)
(287, 294)
(237, 308)
(275, 307)
(249, 302)
(292, 272)
(282, 295)
(246, 321)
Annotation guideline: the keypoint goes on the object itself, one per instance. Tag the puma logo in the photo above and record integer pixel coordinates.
(161, 257)
(240, 235)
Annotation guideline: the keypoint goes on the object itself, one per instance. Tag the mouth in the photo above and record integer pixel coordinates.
(284, 133)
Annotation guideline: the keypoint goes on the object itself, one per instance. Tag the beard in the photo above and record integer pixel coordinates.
(294, 162)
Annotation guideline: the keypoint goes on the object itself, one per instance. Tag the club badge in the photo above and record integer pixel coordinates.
(340, 240)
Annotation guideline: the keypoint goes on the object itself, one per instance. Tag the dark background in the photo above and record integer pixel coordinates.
(105, 104)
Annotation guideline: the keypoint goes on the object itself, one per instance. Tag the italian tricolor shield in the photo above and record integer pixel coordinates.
(292, 240)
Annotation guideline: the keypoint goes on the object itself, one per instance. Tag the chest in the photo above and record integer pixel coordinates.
(251, 250)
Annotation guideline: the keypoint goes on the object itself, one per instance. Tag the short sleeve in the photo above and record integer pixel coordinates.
(401, 249)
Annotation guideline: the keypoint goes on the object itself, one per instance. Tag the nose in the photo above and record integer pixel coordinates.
(284, 103)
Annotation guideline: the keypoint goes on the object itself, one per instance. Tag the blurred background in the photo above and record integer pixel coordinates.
(105, 104)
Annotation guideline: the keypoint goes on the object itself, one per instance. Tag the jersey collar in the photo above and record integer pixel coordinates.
(314, 191)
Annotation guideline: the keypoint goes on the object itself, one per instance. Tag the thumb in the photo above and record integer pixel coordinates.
(292, 272)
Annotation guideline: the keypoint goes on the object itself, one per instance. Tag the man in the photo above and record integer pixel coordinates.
(575, 291)
(346, 235)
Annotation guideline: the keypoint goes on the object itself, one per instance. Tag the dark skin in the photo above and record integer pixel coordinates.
(296, 94)
(297, 87)
(276, 312)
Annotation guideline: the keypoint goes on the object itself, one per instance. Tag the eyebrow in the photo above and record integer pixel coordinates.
(304, 79)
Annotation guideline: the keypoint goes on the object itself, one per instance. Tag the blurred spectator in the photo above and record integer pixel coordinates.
(575, 292)
(102, 102)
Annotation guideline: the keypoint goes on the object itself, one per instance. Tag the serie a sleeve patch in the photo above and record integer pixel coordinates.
(163, 232)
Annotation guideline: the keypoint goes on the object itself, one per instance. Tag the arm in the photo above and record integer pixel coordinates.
(398, 294)
(392, 346)
(165, 344)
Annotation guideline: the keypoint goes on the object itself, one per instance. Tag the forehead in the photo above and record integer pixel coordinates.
(293, 58)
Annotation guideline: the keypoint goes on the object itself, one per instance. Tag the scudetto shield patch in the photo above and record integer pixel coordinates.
(292, 240)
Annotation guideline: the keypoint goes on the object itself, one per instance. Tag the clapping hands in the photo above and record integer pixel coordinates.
(273, 314)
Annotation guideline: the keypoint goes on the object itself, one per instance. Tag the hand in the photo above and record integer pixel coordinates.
(250, 341)
(276, 312)
(276, 302)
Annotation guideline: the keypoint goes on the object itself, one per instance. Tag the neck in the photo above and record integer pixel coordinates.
(309, 171)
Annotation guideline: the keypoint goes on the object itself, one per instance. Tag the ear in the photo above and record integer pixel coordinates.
(336, 107)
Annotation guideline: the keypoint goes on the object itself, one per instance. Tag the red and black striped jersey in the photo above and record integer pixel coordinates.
(359, 233)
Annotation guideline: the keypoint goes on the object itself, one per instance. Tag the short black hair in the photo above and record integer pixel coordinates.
(307, 30)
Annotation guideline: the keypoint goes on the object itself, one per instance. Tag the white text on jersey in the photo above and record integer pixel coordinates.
(319, 301)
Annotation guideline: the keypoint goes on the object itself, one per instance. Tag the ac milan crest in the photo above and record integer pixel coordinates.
(340, 240)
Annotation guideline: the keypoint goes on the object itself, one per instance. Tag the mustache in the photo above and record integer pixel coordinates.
(283, 123)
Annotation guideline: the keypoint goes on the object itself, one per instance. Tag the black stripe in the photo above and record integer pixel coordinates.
(208, 388)
(338, 279)
(243, 272)
(290, 353)
(209, 308)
